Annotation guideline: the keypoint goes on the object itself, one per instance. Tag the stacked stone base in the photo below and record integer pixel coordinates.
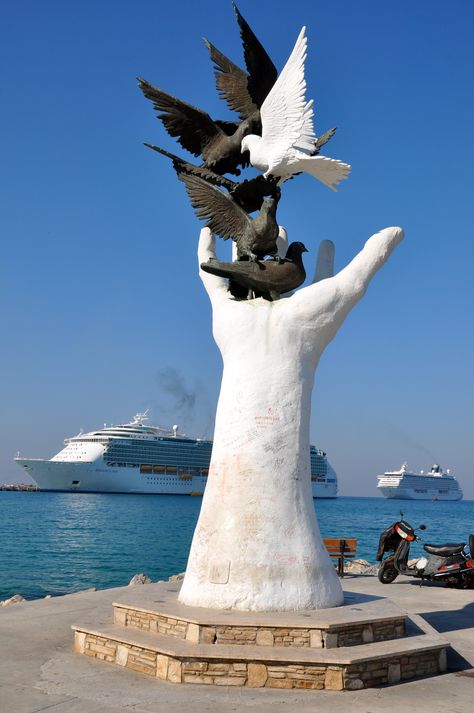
(358, 645)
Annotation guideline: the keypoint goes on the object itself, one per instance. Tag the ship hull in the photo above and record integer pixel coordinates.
(324, 490)
(57, 476)
(400, 493)
(97, 477)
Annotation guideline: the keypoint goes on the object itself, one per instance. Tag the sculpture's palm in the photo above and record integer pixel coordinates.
(318, 309)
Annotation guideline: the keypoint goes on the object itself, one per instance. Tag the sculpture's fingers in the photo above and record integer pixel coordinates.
(282, 241)
(325, 261)
(333, 298)
(206, 246)
(355, 277)
(216, 287)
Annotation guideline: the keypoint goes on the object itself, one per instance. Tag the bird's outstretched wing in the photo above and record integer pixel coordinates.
(287, 119)
(322, 140)
(262, 72)
(193, 128)
(224, 217)
(244, 93)
(182, 166)
(231, 82)
(248, 194)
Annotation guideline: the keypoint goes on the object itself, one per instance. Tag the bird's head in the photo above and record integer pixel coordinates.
(269, 206)
(295, 249)
(300, 247)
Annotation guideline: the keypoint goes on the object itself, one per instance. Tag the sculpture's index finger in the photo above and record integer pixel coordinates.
(206, 246)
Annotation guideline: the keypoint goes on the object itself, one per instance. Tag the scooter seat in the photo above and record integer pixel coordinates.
(445, 550)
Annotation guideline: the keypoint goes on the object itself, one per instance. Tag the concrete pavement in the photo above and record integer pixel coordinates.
(40, 672)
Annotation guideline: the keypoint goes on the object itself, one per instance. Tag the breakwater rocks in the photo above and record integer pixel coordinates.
(16, 599)
(137, 579)
(361, 567)
(144, 579)
(21, 487)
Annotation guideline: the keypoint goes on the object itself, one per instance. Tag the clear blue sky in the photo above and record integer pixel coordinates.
(102, 307)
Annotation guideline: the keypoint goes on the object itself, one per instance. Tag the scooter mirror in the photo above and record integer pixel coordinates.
(422, 527)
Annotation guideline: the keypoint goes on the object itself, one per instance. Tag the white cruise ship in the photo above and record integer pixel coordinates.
(138, 458)
(434, 485)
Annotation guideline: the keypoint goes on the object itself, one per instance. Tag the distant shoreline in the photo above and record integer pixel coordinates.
(32, 488)
(27, 487)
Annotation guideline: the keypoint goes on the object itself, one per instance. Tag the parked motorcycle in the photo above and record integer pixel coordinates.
(452, 564)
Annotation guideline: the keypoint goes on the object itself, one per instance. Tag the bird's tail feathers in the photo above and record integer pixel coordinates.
(172, 156)
(329, 171)
(212, 266)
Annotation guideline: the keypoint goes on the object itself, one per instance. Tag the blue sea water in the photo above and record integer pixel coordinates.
(56, 543)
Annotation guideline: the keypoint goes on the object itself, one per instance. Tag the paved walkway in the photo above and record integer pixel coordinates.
(40, 672)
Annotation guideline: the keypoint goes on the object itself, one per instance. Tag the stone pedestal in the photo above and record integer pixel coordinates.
(357, 645)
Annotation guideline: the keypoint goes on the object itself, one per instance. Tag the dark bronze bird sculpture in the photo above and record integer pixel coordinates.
(243, 91)
(218, 142)
(248, 194)
(255, 237)
(268, 278)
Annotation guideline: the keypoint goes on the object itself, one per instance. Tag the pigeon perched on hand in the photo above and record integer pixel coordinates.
(254, 237)
(267, 279)
(288, 140)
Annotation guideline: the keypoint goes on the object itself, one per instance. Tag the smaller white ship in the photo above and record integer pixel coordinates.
(434, 485)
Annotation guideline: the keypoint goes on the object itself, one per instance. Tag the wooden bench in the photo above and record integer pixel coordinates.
(340, 549)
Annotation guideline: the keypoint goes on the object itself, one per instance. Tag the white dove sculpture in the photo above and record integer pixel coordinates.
(288, 139)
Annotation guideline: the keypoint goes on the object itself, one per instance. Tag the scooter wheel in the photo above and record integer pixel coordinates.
(387, 574)
(464, 582)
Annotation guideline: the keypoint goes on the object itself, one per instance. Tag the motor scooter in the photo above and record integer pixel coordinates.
(451, 563)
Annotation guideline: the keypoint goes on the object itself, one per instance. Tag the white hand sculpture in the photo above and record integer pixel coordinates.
(257, 544)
